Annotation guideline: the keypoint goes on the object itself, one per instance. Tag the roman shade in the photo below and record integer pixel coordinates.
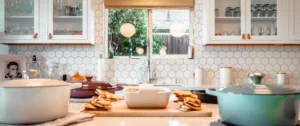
(149, 4)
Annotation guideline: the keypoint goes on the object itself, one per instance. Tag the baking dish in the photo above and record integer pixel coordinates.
(147, 97)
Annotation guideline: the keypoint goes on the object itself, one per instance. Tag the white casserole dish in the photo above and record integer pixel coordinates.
(33, 101)
(147, 97)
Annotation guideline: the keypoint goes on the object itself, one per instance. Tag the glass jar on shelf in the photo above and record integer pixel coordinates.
(266, 7)
(258, 6)
(273, 6)
(59, 7)
(253, 8)
(228, 12)
(270, 14)
(262, 13)
(237, 12)
(257, 13)
(74, 10)
(217, 12)
(67, 11)
(80, 11)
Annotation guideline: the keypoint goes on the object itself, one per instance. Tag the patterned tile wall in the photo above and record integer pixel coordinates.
(244, 59)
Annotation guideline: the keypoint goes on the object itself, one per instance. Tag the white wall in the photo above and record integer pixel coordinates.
(4, 49)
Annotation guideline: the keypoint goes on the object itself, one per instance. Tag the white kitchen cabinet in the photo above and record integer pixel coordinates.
(294, 22)
(51, 21)
(244, 22)
(19, 21)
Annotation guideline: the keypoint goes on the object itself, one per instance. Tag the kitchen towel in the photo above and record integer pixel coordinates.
(71, 118)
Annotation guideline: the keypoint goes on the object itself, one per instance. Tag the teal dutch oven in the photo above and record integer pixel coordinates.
(258, 105)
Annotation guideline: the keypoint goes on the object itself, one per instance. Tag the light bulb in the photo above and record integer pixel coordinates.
(163, 50)
(139, 50)
(177, 30)
(127, 30)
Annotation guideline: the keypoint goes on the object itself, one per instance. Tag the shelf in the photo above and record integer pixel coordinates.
(19, 17)
(237, 19)
(67, 17)
(224, 19)
(264, 18)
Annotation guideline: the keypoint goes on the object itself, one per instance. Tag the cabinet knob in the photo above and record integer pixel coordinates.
(244, 37)
(249, 36)
(35, 35)
(50, 36)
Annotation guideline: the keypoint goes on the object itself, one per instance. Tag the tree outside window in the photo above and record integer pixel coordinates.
(161, 22)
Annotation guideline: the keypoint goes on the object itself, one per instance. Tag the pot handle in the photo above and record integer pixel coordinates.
(118, 88)
(211, 92)
(74, 85)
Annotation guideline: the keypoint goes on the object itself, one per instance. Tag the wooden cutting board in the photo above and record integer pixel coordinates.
(119, 109)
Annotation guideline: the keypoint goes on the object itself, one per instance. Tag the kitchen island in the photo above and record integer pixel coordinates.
(149, 121)
(152, 121)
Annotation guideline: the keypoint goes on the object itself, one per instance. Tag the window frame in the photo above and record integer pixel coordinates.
(149, 38)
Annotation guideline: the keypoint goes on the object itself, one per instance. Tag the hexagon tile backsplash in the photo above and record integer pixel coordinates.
(243, 59)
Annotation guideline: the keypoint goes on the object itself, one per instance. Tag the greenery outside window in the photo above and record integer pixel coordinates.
(170, 31)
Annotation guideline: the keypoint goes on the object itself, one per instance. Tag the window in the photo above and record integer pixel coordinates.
(123, 46)
(170, 32)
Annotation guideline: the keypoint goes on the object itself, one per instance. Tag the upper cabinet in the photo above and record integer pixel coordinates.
(19, 20)
(294, 22)
(227, 20)
(68, 19)
(244, 22)
(46, 21)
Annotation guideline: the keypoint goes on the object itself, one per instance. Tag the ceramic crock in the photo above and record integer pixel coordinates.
(33, 101)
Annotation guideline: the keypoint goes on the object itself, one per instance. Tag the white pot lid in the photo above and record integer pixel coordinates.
(32, 83)
(258, 89)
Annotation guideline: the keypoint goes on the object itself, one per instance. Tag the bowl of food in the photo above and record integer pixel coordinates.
(147, 97)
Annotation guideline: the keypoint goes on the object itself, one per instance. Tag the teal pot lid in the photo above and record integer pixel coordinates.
(258, 89)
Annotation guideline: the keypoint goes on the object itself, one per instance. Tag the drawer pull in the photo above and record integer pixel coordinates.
(249, 36)
(50, 36)
(244, 37)
(35, 35)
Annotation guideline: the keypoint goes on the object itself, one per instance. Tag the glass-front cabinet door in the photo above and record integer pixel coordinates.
(67, 19)
(294, 21)
(228, 22)
(19, 20)
(264, 19)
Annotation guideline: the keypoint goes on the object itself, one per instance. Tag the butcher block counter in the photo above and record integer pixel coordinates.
(149, 121)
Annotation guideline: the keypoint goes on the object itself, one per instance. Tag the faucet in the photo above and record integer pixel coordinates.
(151, 76)
(151, 73)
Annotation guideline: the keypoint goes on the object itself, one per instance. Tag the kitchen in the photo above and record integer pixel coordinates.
(218, 39)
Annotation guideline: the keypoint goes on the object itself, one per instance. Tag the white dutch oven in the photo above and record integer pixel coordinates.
(33, 101)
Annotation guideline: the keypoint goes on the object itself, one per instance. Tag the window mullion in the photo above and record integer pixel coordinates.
(149, 33)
